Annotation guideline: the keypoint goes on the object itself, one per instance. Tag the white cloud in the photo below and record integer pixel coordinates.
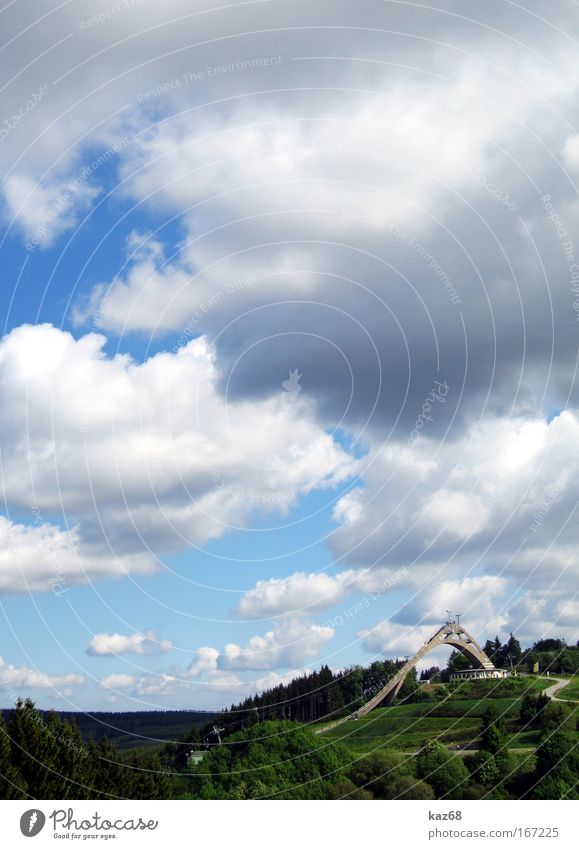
(135, 460)
(571, 152)
(43, 557)
(16, 678)
(236, 177)
(117, 644)
(212, 674)
(117, 681)
(215, 687)
(301, 593)
(289, 644)
(553, 613)
(504, 483)
(393, 639)
(478, 600)
(43, 212)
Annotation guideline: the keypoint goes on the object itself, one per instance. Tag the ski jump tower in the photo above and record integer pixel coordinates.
(452, 634)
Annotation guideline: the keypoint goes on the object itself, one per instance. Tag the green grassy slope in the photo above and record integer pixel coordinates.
(571, 691)
(454, 720)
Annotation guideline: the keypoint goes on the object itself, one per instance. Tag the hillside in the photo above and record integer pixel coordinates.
(451, 714)
(133, 729)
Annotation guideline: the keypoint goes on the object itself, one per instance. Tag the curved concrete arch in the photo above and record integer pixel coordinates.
(450, 634)
(471, 650)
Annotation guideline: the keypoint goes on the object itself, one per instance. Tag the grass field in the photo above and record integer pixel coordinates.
(454, 720)
(571, 691)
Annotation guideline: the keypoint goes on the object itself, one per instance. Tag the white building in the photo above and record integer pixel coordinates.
(480, 672)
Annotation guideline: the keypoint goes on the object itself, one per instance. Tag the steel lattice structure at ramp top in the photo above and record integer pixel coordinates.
(450, 634)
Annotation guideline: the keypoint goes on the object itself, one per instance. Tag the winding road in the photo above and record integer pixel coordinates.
(558, 684)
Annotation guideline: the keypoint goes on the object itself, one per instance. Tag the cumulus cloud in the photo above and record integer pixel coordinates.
(390, 189)
(163, 687)
(289, 644)
(369, 161)
(397, 238)
(537, 615)
(302, 593)
(361, 173)
(117, 681)
(140, 458)
(16, 678)
(288, 647)
(40, 557)
(503, 484)
(117, 644)
(43, 212)
(393, 640)
(377, 226)
(478, 599)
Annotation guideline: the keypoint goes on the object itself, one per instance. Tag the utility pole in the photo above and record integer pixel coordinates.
(217, 731)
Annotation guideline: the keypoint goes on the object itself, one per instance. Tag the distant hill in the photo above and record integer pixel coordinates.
(134, 729)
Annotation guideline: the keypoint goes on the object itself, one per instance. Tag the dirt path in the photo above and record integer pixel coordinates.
(476, 751)
(552, 691)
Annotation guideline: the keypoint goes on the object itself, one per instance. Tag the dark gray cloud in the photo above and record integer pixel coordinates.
(388, 201)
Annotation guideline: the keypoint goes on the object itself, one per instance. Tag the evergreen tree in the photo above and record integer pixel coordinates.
(489, 648)
(492, 649)
(108, 773)
(494, 737)
(70, 762)
(430, 673)
(12, 785)
(533, 708)
(490, 765)
(514, 649)
(34, 751)
(457, 661)
(145, 778)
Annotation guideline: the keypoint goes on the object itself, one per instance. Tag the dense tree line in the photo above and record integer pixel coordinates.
(284, 759)
(318, 695)
(264, 749)
(43, 756)
(46, 758)
(552, 655)
(124, 728)
(504, 655)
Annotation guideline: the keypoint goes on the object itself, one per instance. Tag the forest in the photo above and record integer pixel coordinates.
(479, 739)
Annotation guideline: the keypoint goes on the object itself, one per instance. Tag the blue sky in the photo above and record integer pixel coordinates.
(289, 340)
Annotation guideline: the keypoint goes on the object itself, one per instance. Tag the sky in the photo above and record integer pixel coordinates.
(289, 342)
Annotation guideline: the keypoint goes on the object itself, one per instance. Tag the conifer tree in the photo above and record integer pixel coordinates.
(12, 785)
